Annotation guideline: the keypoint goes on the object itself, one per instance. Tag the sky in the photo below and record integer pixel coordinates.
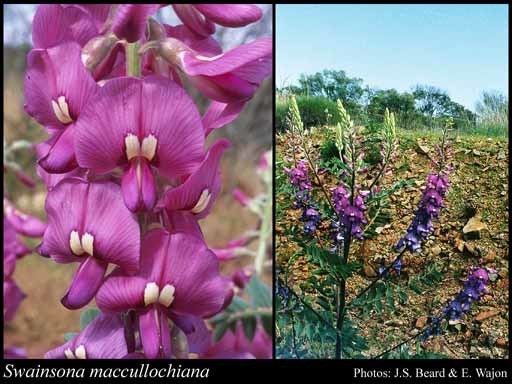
(462, 49)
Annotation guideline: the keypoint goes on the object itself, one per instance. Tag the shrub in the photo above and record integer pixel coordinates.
(313, 111)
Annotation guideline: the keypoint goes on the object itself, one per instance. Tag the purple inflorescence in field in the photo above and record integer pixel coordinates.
(474, 288)
(299, 179)
(351, 216)
(126, 164)
(430, 204)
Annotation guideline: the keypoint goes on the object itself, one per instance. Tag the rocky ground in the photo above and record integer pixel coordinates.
(477, 200)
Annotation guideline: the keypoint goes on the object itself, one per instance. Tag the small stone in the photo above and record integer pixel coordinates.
(436, 250)
(369, 271)
(473, 228)
(471, 250)
(459, 244)
(486, 315)
(501, 342)
(476, 152)
(501, 155)
(423, 149)
(421, 322)
(490, 256)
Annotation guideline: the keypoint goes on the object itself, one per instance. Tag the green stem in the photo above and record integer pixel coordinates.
(265, 232)
(132, 59)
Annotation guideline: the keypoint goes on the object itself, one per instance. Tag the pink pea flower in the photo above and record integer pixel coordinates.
(201, 18)
(229, 77)
(199, 191)
(179, 276)
(241, 197)
(57, 87)
(88, 223)
(102, 338)
(23, 224)
(13, 248)
(229, 251)
(13, 296)
(140, 125)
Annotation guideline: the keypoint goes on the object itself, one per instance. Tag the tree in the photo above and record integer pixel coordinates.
(493, 106)
(402, 104)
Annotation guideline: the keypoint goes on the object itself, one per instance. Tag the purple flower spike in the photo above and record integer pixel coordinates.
(88, 223)
(57, 87)
(200, 18)
(140, 125)
(178, 276)
(430, 205)
(102, 338)
(350, 215)
(199, 191)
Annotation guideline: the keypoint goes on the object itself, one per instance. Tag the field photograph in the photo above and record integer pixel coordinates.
(392, 182)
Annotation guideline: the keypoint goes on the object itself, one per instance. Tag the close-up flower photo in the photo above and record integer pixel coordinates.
(138, 181)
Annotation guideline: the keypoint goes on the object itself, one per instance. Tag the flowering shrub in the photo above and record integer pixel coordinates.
(129, 178)
(320, 324)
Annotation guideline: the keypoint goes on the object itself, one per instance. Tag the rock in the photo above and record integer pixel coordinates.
(423, 149)
(421, 322)
(501, 155)
(490, 256)
(473, 228)
(369, 271)
(471, 250)
(436, 250)
(459, 244)
(486, 315)
(476, 152)
(501, 342)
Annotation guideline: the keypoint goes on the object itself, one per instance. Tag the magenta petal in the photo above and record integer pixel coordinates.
(206, 178)
(194, 272)
(15, 353)
(104, 123)
(130, 20)
(184, 222)
(49, 26)
(24, 224)
(121, 293)
(148, 187)
(151, 328)
(207, 46)
(13, 296)
(225, 88)
(194, 20)
(198, 335)
(86, 282)
(220, 114)
(103, 338)
(115, 229)
(253, 52)
(60, 157)
(53, 73)
(230, 15)
(130, 188)
(171, 115)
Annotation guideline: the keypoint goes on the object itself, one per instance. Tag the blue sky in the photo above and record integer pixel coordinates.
(462, 49)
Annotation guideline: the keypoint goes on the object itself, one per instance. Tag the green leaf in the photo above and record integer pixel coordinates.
(69, 335)
(87, 316)
(219, 330)
(249, 325)
(259, 293)
(266, 321)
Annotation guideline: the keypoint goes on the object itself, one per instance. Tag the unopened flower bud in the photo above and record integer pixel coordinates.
(98, 50)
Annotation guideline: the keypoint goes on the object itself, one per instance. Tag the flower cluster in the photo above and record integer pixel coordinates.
(351, 216)
(474, 288)
(429, 207)
(126, 167)
(299, 179)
